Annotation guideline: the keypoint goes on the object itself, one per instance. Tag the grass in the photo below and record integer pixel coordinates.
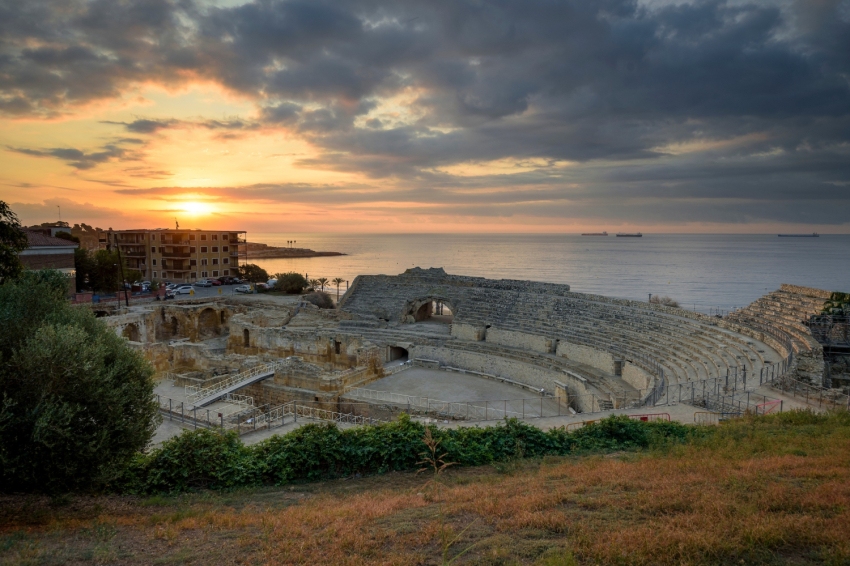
(770, 490)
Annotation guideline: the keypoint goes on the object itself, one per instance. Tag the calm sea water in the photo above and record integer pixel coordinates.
(702, 272)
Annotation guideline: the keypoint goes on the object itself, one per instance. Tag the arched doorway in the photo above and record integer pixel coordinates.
(430, 309)
(131, 333)
(398, 353)
(208, 325)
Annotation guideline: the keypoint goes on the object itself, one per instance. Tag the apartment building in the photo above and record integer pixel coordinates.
(179, 255)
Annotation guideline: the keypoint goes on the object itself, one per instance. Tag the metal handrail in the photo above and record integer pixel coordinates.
(195, 393)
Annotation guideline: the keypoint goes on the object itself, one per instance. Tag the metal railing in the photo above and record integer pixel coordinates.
(813, 395)
(195, 393)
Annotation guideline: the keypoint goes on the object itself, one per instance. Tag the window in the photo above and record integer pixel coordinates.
(153, 237)
(203, 236)
(230, 271)
(154, 262)
(164, 264)
(160, 250)
(203, 249)
(194, 275)
(226, 260)
(215, 249)
(215, 261)
(204, 261)
(215, 273)
(224, 248)
(191, 236)
(192, 249)
(215, 236)
(203, 273)
(153, 249)
(193, 262)
(154, 274)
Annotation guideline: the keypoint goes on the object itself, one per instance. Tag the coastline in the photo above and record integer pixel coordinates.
(255, 250)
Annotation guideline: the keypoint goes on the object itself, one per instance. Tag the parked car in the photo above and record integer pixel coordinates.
(263, 286)
(215, 282)
(243, 289)
(227, 280)
(271, 283)
(183, 289)
(203, 283)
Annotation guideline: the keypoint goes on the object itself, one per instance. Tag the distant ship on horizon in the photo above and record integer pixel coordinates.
(595, 234)
(636, 235)
(812, 235)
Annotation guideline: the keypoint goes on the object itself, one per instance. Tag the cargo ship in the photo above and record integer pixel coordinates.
(812, 235)
(595, 234)
(637, 235)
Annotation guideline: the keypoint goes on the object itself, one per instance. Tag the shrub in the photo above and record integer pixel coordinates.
(666, 301)
(291, 283)
(77, 401)
(253, 273)
(320, 299)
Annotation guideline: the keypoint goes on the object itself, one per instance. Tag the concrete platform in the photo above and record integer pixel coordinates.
(448, 386)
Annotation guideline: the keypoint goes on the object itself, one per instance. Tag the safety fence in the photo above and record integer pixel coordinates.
(252, 418)
(813, 395)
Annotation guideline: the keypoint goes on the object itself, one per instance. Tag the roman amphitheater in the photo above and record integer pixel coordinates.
(459, 349)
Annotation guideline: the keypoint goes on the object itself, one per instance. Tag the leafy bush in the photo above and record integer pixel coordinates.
(292, 283)
(320, 299)
(666, 301)
(314, 452)
(77, 402)
(253, 273)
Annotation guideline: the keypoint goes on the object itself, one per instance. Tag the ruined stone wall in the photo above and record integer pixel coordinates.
(136, 325)
(806, 291)
(520, 340)
(586, 355)
(636, 377)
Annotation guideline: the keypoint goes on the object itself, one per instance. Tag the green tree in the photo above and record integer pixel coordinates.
(253, 273)
(13, 240)
(77, 402)
(100, 271)
(338, 281)
(291, 282)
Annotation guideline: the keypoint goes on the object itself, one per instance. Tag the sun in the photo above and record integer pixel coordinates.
(196, 208)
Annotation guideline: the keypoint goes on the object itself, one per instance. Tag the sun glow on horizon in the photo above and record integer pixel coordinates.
(196, 208)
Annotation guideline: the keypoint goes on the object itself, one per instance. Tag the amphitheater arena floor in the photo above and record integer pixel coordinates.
(448, 386)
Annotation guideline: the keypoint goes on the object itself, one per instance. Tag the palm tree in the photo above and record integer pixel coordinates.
(314, 283)
(323, 281)
(338, 281)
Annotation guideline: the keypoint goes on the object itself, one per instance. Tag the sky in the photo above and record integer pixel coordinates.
(441, 116)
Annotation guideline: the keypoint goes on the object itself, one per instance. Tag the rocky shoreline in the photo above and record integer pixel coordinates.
(256, 250)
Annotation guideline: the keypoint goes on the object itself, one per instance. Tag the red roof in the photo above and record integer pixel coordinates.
(39, 240)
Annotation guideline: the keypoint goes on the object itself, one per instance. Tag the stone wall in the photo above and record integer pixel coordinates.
(521, 340)
(637, 377)
(585, 355)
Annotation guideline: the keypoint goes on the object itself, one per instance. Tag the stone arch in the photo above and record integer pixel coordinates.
(131, 332)
(433, 307)
(208, 324)
(398, 353)
(246, 338)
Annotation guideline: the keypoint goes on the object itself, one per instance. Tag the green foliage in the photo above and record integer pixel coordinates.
(838, 304)
(99, 272)
(195, 459)
(253, 273)
(292, 283)
(13, 240)
(315, 452)
(77, 401)
(320, 299)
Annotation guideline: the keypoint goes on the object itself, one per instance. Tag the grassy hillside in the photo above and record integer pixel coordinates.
(769, 490)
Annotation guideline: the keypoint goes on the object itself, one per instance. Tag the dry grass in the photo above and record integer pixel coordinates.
(759, 493)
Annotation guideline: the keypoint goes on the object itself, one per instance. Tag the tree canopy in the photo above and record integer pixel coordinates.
(253, 273)
(77, 402)
(13, 240)
(291, 282)
(98, 271)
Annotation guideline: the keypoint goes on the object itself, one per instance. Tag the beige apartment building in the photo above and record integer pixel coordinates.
(179, 255)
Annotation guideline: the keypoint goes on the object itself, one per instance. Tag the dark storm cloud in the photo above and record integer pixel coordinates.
(614, 85)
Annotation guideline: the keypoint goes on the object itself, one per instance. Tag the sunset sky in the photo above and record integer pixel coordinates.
(442, 116)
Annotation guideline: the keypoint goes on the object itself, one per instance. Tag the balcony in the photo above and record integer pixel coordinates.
(173, 254)
(175, 242)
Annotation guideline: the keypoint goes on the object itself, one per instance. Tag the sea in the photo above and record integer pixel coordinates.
(709, 273)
